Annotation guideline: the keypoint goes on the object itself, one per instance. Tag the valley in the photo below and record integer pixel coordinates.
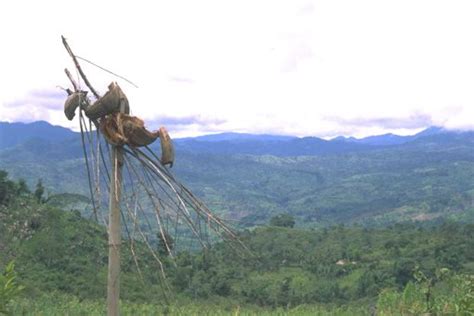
(250, 178)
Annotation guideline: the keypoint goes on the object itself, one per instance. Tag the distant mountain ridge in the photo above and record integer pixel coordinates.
(289, 146)
(392, 139)
(12, 134)
(237, 137)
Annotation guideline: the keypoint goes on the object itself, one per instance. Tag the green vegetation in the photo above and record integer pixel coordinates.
(9, 289)
(427, 180)
(283, 220)
(58, 250)
(445, 294)
(59, 304)
(342, 270)
(339, 265)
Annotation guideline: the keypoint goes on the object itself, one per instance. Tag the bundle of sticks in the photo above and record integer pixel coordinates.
(149, 189)
(111, 114)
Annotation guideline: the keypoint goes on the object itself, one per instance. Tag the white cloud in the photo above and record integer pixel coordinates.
(253, 66)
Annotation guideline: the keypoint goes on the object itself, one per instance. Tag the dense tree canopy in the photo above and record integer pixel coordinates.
(283, 220)
(58, 250)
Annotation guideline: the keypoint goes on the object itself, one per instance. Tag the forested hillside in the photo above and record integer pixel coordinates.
(351, 269)
(251, 178)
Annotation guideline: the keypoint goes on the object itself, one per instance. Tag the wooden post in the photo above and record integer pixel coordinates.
(113, 279)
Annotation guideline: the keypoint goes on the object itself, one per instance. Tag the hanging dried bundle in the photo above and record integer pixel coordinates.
(109, 103)
(78, 98)
(135, 132)
(120, 129)
(167, 149)
(112, 129)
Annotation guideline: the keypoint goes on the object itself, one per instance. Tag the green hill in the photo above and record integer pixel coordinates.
(424, 178)
(61, 261)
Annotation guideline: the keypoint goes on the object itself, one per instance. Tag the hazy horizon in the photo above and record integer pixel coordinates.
(304, 68)
(266, 134)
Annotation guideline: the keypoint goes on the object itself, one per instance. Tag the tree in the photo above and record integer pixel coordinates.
(22, 187)
(165, 243)
(283, 220)
(39, 191)
(7, 188)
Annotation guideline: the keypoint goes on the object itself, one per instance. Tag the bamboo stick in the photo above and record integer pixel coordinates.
(113, 278)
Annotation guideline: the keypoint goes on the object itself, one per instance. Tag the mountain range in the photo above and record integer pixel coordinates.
(250, 178)
(12, 134)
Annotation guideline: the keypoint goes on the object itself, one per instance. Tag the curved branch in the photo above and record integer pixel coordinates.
(76, 63)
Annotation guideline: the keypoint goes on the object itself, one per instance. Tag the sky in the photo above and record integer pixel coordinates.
(303, 68)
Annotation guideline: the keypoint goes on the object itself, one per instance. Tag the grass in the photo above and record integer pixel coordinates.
(60, 304)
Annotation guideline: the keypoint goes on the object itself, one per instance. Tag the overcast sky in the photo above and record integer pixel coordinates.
(319, 68)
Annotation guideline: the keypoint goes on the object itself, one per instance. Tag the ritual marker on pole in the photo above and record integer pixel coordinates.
(150, 187)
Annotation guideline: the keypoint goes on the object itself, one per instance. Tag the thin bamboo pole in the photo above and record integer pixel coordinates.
(113, 279)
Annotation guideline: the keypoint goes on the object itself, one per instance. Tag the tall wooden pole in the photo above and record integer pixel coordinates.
(113, 280)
